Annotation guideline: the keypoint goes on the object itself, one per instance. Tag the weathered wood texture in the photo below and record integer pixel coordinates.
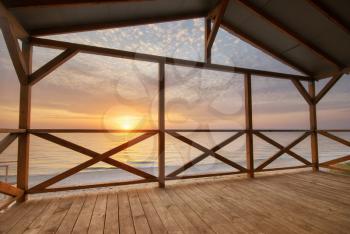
(249, 124)
(24, 121)
(161, 126)
(216, 15)
(313, 127)
(301, 202)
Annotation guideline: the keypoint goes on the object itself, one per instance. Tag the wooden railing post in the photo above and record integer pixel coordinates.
(249, 124)
(161, 126)
(313, 127)
(24, 123)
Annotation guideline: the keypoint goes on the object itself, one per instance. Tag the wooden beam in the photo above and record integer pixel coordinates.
(10, 130)
(93, 154)
(337, 160)
(4, 143)
(157, 59)
(284, 29)
(217, 19)
(57, 3)
(207, 30)
(335, 138)
(161, 126)
(91, 131)
(249, 125)
(24, 123)
(52, 65)
(327, 87)
(206, 151)
(313, 127)
(204, 175)
(303, 91)
(14, 51)
(204, 155)
(88, 186)
(10, 190)
(281, 147)
(18, 29)
(263, 47)
(119, 24)
(284, 168)
(281, 152)
(331, 15)
(90, 162)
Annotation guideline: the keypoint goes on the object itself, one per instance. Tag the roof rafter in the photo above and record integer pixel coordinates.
(259, 45)
(283, 28)
(18, 29)
(14, 49)
(216, 15)
(332, 16)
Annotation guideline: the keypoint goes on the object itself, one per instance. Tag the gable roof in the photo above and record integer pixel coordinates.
(312, 36)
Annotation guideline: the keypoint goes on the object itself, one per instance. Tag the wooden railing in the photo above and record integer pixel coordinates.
(94, 157)
(6, 188)
(22, 57)
(330, 164)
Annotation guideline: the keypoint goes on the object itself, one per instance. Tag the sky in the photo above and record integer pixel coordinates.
(91, 91)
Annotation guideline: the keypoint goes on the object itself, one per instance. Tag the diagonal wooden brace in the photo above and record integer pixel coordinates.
(93, 154)
(90, 162)
(281, 147)
(207, 152)
(282, 151)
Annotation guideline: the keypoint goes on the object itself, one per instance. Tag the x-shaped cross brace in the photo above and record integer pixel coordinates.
(282, 150)
(95, 158)
(207, 152)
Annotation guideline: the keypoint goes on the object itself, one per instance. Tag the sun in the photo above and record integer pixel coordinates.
(127, 122)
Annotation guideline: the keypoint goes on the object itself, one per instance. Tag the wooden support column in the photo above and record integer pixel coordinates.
(313, 127)
(207, 50)
(24, 123)
(161, 126)
(249, 124)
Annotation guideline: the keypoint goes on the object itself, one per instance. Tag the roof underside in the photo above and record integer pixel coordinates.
(323, 50)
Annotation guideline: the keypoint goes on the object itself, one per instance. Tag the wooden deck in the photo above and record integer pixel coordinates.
(302, 202)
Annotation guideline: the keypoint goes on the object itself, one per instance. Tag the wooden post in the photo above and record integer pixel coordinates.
(249, 124)
(207, 51)
(313, 127)
(161, 126)
(24, 123)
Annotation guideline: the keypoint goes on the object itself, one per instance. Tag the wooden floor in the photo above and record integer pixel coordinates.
(302, 202)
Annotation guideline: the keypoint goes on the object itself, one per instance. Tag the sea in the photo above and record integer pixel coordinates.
(48, 159)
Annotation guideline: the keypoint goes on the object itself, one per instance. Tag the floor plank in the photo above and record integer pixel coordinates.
(153, 218)
(83, 222)
(112, 214)
(97, 223)
(126, 224)
(138, 215)
(72, 216)
(295, 203)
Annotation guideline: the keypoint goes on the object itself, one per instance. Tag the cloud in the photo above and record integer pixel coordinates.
(90, 85)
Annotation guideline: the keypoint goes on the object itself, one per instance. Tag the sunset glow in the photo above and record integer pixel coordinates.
(127, 122)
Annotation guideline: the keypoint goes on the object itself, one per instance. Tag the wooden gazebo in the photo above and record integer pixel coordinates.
(311, 36)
